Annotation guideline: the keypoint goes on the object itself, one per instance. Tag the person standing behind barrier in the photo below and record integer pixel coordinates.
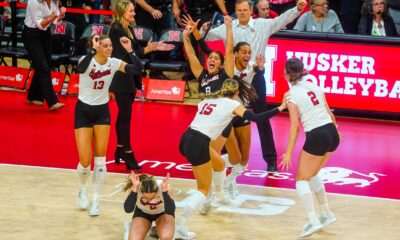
(153, 14)
(306, 101)
(376, 20)
(123, 85)
(77, 19)
(37, 41)
(319, 19)
(92, 114)
(263, 10)
(198, 9)
(256, 32)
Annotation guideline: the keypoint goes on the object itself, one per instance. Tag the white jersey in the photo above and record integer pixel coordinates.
(213, 115)
(310, 101)
(247, 74)
(95, 81)
(155, 206)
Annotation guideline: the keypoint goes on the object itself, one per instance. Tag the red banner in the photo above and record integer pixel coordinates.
(73, 84)
(57, 79)
(168, 90)
(13, 77)
(354, 76)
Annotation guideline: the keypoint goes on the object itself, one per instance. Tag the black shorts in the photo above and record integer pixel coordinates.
(86, 116)
(321, 140)
(227, 131)
(238, 121)
(195, 146)
(169, 209)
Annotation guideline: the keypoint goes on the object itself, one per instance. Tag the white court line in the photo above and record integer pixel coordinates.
(192, 180)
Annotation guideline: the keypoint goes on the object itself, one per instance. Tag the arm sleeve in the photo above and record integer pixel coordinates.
(204, 47)
(258, 117)
(168, 203)
(84, 64)
(130, 202)
(136, 66)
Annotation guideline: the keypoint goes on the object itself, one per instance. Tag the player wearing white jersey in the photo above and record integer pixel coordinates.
(307, 101)
(212, 116)
(150, 202)
(92, 115)
(239, 140)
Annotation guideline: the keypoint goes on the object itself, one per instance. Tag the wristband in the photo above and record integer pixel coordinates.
(93, 51)
(225, 13)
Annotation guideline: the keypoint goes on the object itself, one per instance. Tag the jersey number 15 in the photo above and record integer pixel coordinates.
(208, 108)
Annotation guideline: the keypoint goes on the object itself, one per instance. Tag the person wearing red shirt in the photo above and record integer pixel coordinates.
(262, 10)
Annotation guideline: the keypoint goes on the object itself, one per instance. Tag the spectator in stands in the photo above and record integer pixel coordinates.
(37, 41)
(376, 20)
(123, 85)
(153, 14)
(319, 19)
(95, 18)
(350, 14)
(394, 11)
(262, 10)
(77, 19)
(198, 9)
(281, 6)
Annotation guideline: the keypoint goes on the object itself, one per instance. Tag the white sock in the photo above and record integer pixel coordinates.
(319, 190)
(225, 157)
(99, 175)
(236, 170)
(194, 203)
(306, 197)
(218, 179)
(83, 173)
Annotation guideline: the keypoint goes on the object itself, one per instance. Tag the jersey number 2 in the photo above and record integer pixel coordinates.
(208, 108)
(98, 85)
(313, 98)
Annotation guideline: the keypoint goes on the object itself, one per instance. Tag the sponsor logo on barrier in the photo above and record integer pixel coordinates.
(170, 90)
(57, 80)
(329, 175)
(73, 84)
(13, 77)
(18, 77)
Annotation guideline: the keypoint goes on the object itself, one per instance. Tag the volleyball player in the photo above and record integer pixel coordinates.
(92, 115)
(239, 140)
(212, 117)
(306, 101)
(210, 79)
(150, 202)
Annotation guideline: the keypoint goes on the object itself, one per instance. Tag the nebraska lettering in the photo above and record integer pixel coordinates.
(98, 74)
(335, 63)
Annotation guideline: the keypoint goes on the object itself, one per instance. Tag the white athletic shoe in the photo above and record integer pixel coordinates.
(225, 202)
(182, 233)
(310, 229)
(325, 221)
(95, 208)
(205, 208)
(83, 201)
